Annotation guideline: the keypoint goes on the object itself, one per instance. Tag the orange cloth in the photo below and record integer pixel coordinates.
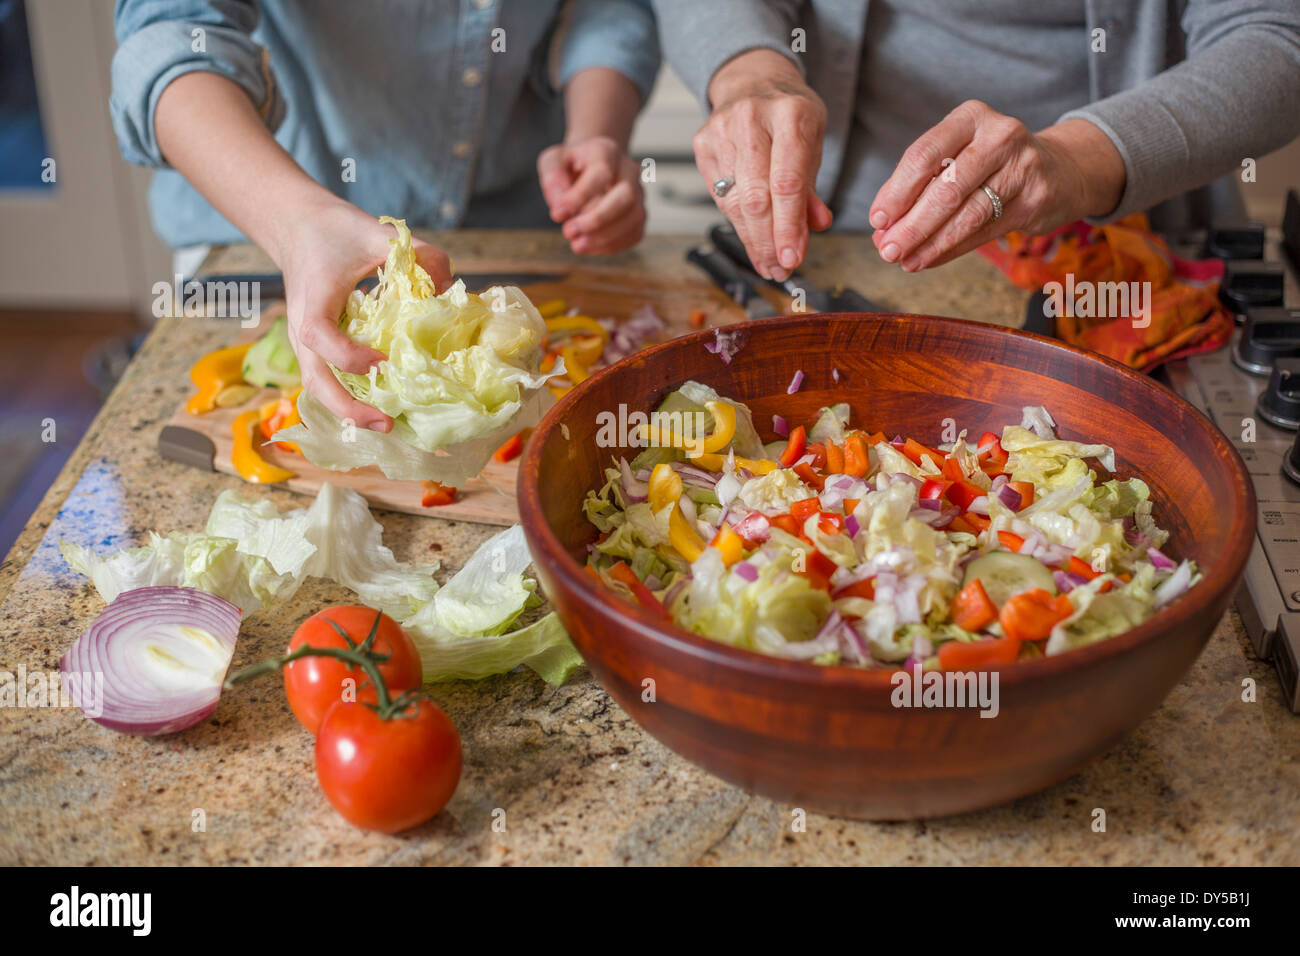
(1184, 314)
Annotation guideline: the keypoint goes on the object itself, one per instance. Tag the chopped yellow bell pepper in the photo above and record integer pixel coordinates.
(574, 368)
(584, 324)
(212, 374)
(729, 543)
(724, 429)
(551, 308)
(587, 348)
(666, 490)
(717, 462)
(248, 463)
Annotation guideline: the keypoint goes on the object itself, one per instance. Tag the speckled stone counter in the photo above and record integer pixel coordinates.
(1207, 778)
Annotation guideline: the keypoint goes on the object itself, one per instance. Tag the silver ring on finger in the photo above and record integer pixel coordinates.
(995, 199)
(722, 185)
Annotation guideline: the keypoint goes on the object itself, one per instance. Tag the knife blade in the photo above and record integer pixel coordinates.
(816, 298)
(731, 280)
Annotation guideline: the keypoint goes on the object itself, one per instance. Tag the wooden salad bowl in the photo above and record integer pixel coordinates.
(829, 738)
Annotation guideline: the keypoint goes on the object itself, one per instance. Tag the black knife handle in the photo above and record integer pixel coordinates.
(724, 273)
(728, 242)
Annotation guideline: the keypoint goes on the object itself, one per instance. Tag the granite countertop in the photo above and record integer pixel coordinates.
(1207, 778)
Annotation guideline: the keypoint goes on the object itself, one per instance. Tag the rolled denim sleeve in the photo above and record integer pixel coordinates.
(159, 40)
(619, 34)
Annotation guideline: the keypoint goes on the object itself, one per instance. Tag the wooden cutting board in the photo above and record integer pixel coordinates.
(205, 441)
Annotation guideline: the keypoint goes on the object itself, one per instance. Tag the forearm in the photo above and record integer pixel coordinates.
(600, 101)
(208, 130)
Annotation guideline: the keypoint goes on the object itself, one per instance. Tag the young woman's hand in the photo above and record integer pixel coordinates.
(331, 247)
(594, 188)
(934, 207)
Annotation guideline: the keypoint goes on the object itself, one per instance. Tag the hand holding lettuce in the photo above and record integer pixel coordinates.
(462, 374)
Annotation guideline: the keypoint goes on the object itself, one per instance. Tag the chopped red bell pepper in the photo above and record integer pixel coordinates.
(809, 477)
(1012, 542)
(511, 449)
(934, 488)
(1082, 568)
(644, 596)
(830, 523)
(963, 492)
(437, 494)
(795, 447)
(801, 511)
(859, 589)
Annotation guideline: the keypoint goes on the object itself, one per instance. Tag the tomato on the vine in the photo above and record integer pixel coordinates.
(315, 684)
(388, 775)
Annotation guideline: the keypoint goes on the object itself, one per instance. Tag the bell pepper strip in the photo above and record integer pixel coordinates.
(818, 451)
(952, 470)
(724, 429)
(1010, 541)
(623, 574)
(818, 569)
(697, 318)
(249, 465)
(963, 492)
(548, 361)
(715, 462)
(212, 374)
(876, 438)
(1082, 568)
(834, 459)
(808, 476)
(511, 449)
(858, 589)
(978, 655)
(850, 505)
(665, 490)
(978, 522)
(1031, 615)
(801, 511)
(576, 324)
(990, 449)
(972, 608)
(588, 349)
(830, 523)
(1026, 492)
(279, 414)
(788, 524)
(730, 544)
(437, 494)
(574, 367)
(591, 569)
(795, 447)
(960, 523)
(857, 459)
(933, 488)
(914, 451)
(552, 308)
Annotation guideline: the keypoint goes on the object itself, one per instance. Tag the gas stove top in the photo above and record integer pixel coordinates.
(1250, 390)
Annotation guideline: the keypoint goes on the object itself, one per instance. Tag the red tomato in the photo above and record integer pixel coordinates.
(388, 775)
(314, 684)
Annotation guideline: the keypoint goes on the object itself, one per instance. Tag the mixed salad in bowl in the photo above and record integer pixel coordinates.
(841, 546)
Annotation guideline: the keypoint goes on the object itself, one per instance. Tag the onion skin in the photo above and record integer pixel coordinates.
(131, 702)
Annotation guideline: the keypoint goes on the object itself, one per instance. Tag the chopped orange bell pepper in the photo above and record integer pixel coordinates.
(856, 457)
(1031, 615)
(511, 449)
(972, 608)
(1026, 489)
(213, 373)
(978, 655)
(729, 543)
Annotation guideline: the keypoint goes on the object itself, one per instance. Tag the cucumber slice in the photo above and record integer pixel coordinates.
(1005, 574)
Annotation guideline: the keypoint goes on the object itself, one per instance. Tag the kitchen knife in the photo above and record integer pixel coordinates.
(732, 281)
(816, 298)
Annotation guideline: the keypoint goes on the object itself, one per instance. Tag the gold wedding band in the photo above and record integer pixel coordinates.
(996, 200)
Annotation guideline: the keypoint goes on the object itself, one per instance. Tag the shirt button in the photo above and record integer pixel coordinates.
(447, 210)
(471, 77)
(462, 149)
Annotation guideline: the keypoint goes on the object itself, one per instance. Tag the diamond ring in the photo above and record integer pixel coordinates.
(996, 200)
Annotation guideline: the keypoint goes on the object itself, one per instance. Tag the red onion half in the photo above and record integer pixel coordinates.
(153, 661)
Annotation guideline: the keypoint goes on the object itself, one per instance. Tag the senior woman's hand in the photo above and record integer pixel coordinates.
(934, 207)
(765, 133)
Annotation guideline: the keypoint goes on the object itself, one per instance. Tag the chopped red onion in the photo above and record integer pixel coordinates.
(851, 526)
(795, 383)
(726, 344)
(633, 490)
(754, 527)
(746, 570)
(1010, 497)
(1067, 581)
(979, 506)
(931, 504)
(1161, 560)
(780, 426)
(1175, 585)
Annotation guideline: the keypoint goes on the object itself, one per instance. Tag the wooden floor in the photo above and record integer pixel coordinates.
(52, 382)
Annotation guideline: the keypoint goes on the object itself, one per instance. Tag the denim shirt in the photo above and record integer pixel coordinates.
(433, 110)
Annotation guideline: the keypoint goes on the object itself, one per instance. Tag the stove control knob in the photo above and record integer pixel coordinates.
(1269, 334)
(1291, 463)
(1280, 402)
(1236, 242)
(1251, 284)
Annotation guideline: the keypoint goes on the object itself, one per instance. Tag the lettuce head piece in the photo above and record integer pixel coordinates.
(463, 374)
